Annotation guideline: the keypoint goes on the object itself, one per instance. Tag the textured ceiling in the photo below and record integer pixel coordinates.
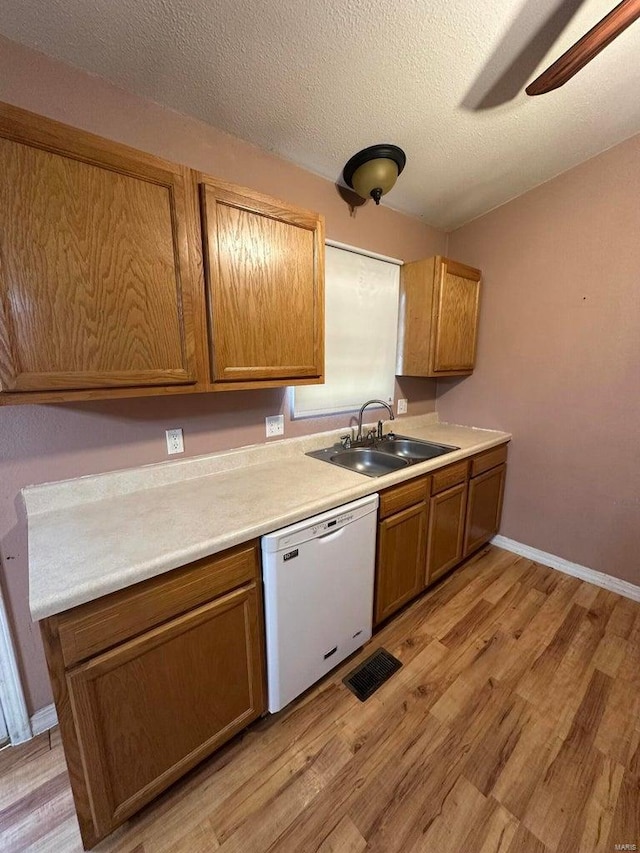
(316, 81)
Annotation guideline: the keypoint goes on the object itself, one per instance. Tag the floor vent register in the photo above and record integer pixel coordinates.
(371, 674)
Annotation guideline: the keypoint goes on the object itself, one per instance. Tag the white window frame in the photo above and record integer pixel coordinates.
(307, 410)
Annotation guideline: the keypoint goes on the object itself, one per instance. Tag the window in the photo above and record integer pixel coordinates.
(361, 327)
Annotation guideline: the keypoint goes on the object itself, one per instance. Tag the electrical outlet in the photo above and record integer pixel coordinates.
(175, 441)
(274, 425)
(401, 408)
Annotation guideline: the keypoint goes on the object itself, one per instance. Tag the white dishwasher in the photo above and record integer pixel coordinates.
(318, 595)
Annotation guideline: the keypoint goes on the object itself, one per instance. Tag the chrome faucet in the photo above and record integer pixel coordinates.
(371, 403)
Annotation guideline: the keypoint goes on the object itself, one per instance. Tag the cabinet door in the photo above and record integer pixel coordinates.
(95, 276)
(148, 710)
(446, 531)
(265, 287)
(400, 560)
(438, 318)
(455, 320)
(484, 508)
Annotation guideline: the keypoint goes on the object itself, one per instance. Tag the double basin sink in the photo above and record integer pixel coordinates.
(387, 455)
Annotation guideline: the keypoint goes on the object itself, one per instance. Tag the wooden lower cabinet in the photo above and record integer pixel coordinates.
(446, 531)
(459, 505)
(139, 715)
(402, 541)
(484, 508)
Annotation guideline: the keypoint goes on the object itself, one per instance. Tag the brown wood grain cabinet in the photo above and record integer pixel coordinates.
(438, 323)
(446, 531)
(264, 270)
(96, 279)
(486, 492)
(401, 547)
(427, 526)
(447, 510)
(402, 541)
(141, 712)
(103, 291)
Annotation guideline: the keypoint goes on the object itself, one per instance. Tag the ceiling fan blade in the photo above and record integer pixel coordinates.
(583, 51)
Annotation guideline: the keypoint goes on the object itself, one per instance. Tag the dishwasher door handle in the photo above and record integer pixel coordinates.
(331, 535)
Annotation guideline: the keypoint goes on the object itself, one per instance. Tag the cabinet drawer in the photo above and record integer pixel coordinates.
(450, 476)
(98, 625)
(490, 459)
(400, 497)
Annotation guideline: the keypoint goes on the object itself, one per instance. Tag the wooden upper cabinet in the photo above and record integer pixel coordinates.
(439, 301)
(96, 282)
(264, 269)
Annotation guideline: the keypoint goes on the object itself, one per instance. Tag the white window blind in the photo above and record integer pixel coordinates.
(361, 327)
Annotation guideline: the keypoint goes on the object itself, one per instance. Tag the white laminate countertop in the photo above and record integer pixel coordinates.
(95, 535)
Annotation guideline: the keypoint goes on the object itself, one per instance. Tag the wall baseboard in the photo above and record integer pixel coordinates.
(44, 719)
(628, 590)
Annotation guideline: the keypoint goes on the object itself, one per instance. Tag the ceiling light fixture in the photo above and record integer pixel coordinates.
(373, 171)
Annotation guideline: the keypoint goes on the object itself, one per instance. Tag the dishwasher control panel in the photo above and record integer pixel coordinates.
(317, 530)
(321, 525)
(334, 524)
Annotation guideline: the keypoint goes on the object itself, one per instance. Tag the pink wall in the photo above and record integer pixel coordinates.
(43, 443)
(559, 359)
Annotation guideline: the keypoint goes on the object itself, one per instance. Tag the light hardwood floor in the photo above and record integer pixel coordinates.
(513, 726)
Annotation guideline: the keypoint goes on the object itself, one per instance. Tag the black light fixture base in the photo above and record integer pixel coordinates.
(374, 152)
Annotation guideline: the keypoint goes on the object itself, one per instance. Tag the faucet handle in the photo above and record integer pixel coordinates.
(345, 441)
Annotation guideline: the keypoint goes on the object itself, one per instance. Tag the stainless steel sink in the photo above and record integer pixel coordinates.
(413, 448)
(367, 460)
(389, 454)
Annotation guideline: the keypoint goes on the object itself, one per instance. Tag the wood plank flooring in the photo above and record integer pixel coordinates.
(513, 727)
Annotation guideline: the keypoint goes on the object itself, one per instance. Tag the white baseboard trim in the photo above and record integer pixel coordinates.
(628, 590)
(44, 719)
